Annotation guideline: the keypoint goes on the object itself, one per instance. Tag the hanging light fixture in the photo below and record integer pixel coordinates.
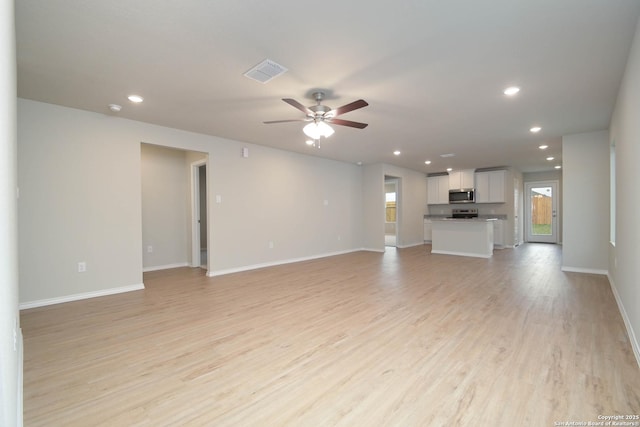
(318, 128)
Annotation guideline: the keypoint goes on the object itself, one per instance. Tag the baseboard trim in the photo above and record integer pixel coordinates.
(76, 297)
(468, 254)
(627, 323)
(380, 251)
(411, 245)
(275, 263)
(165, 267)
(584, 270)
(20, 382)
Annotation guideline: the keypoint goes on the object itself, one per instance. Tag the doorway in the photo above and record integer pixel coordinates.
(516, 213)
(541, 219)
(391, 204)
(199, 244)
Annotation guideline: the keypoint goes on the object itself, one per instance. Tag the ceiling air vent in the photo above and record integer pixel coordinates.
(265, 71)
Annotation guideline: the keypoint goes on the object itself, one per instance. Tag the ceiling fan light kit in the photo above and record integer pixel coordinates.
(316, 129)
(321, 116)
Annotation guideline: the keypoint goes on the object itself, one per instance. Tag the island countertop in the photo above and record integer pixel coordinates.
(463, 219)
(481, 217)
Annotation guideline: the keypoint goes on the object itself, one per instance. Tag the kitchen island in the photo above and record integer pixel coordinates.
(464, 237)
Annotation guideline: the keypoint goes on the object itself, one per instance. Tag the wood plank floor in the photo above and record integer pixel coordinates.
(404, 338)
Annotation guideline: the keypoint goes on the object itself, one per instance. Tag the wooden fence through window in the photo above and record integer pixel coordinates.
(541, 209)
(391, 212)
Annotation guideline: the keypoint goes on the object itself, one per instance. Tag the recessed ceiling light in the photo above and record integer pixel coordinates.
(447, 155)
(543, 147)
(510, 91)
(550, 158)
(135, 98)
(310, 142)
(115, 107)
(427, 162)
(359, 163)
(558, 167)
(535, 129)
(396, 153)
(449, 169)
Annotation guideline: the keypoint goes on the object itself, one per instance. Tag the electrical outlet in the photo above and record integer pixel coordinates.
(82, 267)
(270, 244)
(149, 249)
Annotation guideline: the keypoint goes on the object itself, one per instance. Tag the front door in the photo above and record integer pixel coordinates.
(541, 216)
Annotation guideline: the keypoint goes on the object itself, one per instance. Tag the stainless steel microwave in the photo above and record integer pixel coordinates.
(462, 195)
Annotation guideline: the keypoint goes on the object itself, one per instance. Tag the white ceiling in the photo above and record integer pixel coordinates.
(432, 71)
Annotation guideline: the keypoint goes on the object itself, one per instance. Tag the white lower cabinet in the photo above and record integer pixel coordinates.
(427, 230)
(498, 234)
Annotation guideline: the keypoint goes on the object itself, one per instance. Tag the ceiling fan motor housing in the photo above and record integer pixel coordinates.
(319, 110)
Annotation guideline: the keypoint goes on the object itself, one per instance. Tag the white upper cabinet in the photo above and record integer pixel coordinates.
(462, 179)
(490, 187)
(438, 190)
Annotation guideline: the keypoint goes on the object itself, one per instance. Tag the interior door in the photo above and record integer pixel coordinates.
(391, 211)
(199, 244)
(541, 199)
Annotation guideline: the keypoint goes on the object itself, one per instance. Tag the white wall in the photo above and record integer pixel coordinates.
(624, 268)
(373, 207)
(585, 236)
(165, 207)
(80, 178)
(412, 198)
(10, 354)
(79, 201)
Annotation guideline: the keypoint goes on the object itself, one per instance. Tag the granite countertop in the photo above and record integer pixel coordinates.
(479, 218)
(464, 219)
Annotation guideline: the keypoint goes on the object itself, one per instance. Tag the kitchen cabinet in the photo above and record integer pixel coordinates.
(490, 186)
(438, 190)
(427, 230)
(462, 237)
(498, 234)
(461, 179)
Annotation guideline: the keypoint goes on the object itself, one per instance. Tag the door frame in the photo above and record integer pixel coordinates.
(195, 212)
(553, 238)
(396, 181)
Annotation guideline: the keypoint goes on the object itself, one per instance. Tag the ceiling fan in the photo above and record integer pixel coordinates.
(320, 115)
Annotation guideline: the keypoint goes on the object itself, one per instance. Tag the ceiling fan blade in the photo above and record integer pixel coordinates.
(349, 107)
(286, 121)
(348, 123)
(299, 106)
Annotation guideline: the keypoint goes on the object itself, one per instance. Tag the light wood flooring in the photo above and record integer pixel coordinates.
(404, 338)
